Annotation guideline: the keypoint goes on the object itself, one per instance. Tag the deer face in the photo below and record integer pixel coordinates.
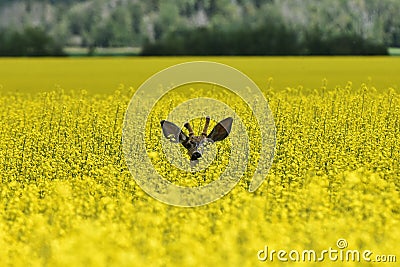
(195, 144)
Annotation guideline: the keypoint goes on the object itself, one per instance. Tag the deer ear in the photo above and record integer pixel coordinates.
(173, 132)
(221, 130)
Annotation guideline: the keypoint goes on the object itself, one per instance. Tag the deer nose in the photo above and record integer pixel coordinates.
(195, 155)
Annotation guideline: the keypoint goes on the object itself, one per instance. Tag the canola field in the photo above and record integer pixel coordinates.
(67, 197)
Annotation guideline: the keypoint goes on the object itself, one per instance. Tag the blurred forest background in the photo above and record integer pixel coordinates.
(198, 27)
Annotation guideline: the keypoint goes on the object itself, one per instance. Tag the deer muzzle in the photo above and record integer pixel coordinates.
(196, 155)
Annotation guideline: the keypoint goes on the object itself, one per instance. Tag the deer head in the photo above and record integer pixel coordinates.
(193, 143)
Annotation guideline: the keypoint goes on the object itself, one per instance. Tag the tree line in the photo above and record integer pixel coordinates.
(269, 39)
(251, 27)
(32, 42)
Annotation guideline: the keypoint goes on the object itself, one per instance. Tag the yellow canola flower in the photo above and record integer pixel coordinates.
(67, 198)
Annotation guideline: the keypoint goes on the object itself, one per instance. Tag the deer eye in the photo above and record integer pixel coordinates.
(188, 145)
